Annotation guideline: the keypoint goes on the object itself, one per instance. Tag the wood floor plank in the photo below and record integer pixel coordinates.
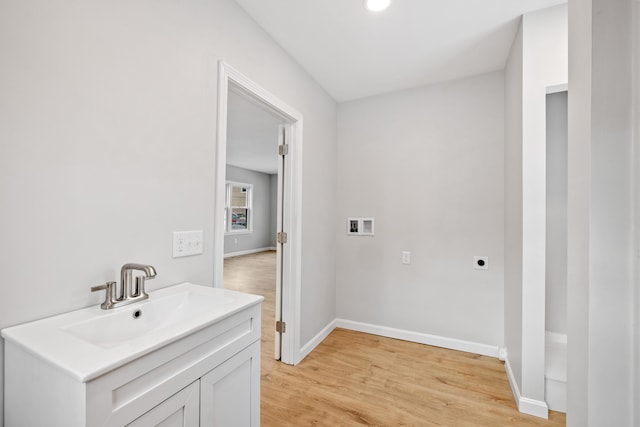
(356, 379)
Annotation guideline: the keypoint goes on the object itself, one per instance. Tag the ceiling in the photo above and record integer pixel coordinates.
(353, 53)
(252, 135)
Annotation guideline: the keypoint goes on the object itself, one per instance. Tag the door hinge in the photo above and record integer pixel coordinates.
(282, 237)
(281, 326)
(283, 149)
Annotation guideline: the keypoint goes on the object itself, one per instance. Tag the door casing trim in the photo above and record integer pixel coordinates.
(292, 214)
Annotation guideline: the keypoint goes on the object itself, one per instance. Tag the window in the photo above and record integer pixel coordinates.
(238, 205)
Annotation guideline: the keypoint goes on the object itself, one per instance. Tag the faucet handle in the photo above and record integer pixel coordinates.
(110, 287)
(104, 286)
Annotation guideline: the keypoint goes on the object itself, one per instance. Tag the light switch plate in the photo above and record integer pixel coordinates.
(187, 243)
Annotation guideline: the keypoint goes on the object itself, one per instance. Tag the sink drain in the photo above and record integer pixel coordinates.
(137, 314)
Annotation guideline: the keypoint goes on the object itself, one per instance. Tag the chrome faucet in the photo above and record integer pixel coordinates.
(128, 291)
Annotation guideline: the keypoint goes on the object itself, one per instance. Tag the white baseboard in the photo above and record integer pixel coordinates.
(248, 252)
(555, 338)
(555, 371)
(512, 380)
(537, 408)
(315, 341)
(418, 337)
(502, 354)
(556, 395)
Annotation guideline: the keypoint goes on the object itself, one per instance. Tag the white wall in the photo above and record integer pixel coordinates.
(107, 123)
(544, 64)
(427, 165)
(636, 121)
(260, 237)
(579, 159)
(601, 183)
(513, 209)
(556, 237)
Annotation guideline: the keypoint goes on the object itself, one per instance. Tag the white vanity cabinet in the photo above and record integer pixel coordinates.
(208, 375)
(229, 395)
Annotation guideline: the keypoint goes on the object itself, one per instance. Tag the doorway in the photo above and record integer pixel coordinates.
(556, 248)
(236, 221)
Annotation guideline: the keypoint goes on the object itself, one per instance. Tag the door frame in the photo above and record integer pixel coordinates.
(292, 197)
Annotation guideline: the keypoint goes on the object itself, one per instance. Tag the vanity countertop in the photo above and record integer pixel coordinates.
(90, 342)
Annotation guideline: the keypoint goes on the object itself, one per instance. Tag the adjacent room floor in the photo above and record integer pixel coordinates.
(360, 379)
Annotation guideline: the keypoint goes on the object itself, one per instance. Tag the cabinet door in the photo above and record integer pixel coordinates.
(180, 410)
(230, 394)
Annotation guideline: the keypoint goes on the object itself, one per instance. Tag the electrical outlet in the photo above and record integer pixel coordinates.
(406, 257)
(481, 262)
(187, 243)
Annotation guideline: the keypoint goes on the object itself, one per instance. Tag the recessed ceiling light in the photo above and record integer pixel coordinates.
(376, 5)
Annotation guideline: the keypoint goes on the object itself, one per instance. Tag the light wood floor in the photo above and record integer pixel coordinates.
(356, 379)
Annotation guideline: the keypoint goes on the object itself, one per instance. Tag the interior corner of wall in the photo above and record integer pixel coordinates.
(315, 341)
(511, 377)
(502, 354)
(525, 405)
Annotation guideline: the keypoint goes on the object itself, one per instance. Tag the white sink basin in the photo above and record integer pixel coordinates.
(149, 317)
(89, 342)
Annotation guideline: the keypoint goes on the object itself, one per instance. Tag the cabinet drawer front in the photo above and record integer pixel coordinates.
(126, 393)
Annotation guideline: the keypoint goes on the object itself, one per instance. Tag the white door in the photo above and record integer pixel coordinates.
(282, 236)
